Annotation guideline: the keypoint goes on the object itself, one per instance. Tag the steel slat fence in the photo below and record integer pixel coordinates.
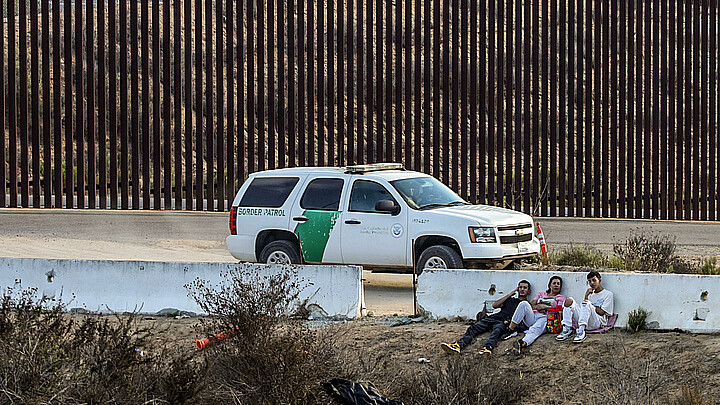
(559, 108)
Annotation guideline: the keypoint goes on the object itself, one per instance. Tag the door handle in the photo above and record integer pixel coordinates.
(352, 222)
(301, 219)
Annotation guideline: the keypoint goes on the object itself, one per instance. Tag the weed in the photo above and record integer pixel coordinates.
(582, 256)
(647, 252)
(460, 381)
(626, 377)
(692, 395)
(534, 259)
(270, 358)
(637, 319)
(683, 266)
(98, 359)
(709, 267)
(615, 262)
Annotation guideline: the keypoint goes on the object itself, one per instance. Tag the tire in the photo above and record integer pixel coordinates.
(438, 257)
(280, 252)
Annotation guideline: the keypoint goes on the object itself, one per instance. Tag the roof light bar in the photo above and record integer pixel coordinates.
(375, 167)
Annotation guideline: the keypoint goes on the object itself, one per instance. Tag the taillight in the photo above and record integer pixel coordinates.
(233, 221)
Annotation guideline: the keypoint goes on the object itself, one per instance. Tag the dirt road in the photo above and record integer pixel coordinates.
(200, 237)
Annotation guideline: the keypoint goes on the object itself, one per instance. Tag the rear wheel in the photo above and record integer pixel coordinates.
(438, 257)
(280, 252)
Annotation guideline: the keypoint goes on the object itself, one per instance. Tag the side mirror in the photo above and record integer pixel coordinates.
(387, 206)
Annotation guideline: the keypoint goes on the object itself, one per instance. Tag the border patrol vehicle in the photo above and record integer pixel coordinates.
(377, 216)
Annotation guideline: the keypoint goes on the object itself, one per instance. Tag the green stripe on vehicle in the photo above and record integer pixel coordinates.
(314, 233)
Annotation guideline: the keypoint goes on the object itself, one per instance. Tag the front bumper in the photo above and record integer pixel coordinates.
(498, 251)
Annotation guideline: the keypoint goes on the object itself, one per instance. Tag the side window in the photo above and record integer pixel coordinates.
(268, 192)
(365, 194)
(322, 194)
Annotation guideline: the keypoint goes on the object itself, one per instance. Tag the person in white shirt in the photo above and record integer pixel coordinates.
(592, 313)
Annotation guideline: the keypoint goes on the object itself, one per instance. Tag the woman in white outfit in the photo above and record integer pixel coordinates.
(534, 314)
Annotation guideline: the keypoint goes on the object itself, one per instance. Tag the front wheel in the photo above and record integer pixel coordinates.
(438, 257)
(280, 252)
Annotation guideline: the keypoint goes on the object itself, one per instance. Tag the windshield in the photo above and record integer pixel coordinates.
(426, 192)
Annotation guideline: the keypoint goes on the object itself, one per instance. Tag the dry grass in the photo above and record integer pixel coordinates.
(274, 359)
(50, 358)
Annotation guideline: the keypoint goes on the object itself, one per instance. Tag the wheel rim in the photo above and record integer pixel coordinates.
(278, 257)
(435, 262)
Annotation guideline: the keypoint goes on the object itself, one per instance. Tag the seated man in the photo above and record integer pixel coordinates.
(592, 313)
(495, 322)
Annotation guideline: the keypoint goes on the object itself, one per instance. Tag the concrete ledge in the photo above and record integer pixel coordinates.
(120, 286)
(677, 301)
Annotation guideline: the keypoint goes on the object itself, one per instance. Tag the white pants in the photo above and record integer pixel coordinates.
(534, 321)
(583, 314)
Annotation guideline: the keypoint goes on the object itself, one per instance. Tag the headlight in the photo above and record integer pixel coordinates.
(482, 234)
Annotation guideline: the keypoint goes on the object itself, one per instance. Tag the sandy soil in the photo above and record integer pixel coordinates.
(606, 368)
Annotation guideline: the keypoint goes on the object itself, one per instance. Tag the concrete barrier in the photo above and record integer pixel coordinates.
(121, 286)
(677, 301)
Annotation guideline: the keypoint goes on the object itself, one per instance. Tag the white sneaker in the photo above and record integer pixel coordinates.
(566, 333)
(580, 337)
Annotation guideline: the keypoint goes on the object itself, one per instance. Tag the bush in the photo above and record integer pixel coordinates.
(48, 357)
(647, 252)
(692, 395)
(464, 380)
(683, 266)
(269, 358)
(637, 319)
(582, 256)
(709, 267)
(627, 376)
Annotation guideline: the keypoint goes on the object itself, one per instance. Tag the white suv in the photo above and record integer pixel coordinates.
(377, 216)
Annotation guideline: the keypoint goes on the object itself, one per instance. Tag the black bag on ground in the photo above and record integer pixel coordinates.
(361, 393)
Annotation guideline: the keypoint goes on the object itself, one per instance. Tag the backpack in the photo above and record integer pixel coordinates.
(554, 319)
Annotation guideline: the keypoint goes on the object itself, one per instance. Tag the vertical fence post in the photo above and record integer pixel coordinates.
(68, 109)
(23, 124)
(167, 105)
(134, 105)
(562, 120)
(188, 103)
(157, 112)
(713, 133)
(91, 133)
(102, 96)
(209, 120)
(112, 105)
(47, 147)
(231, 66)
(219, 108)
(35, 104)
(198, 107)
(145, 121)
(3, 177)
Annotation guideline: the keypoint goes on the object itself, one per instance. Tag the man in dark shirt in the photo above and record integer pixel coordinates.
(496, 323)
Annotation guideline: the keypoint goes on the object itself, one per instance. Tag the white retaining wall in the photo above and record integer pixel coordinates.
(686, 302)
(120, 286)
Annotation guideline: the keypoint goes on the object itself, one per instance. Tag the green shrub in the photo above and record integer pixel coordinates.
(583, 256)
(647, 252)
(637, 320)
(709, 267)
(615, 262)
